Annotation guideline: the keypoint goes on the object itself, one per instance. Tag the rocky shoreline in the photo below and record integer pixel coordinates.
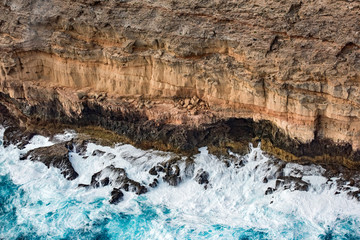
(347, 178)
(57, 156)
(191, 74)
(128, 123)
(186, 76)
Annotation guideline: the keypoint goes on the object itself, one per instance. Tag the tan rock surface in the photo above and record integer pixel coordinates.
(294, 63)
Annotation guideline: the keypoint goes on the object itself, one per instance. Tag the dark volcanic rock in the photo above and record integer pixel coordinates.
(189, 167)
(54, 156)
(116, 196)
(287, 182)
(154, 183)
(17, 136)
(130, 185)
(102, 178)
(155, 170)
(291, 183)
(202, 177)
(116, 177)
(80, 146)
(172, 172)
(269, 190)
(7, 117)
(98, 153)
(172, 180)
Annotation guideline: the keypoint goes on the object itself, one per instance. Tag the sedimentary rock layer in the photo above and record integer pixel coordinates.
(295, 64)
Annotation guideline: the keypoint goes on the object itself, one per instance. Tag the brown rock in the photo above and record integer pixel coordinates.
(17, 136)
(54, 156)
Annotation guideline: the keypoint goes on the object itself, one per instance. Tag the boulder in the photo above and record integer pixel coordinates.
(172, 174)
(291, 183)
(202, 177)
(54, 156)
(154, 183)
(116, 177)
(116, 196)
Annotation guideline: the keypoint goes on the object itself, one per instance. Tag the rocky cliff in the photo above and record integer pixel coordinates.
(285, 72)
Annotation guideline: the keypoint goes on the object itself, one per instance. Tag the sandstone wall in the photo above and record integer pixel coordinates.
(295, 63)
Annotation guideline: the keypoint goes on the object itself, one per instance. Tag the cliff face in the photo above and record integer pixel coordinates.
(295, 64)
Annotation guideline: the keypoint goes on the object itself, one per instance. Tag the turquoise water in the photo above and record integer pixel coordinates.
(38, 203)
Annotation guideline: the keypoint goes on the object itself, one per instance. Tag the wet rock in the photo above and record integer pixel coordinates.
(116, 196)
(172, 174)
(17, 136)
(269, 190)
(111, 156)
(102, 178)
(80, 146)
(189, 168)
(291, 183)
(116, 177)
(352, 182)
(105, 181)
(240, 164)
(154, 183)
(173, 170)
(227, 163)
(355, 194)
(202, 177)
(156, 170)
(280, 171)
(287, 182)
(153, 171)
(69, 145)
(275, 174)
(172, 180)
(345, 178)
(54, 156)
(130, 185)
(98, 153)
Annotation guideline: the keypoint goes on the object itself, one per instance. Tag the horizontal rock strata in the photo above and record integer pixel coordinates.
(191, 73)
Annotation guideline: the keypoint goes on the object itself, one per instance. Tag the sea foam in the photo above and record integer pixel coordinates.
(40, 203)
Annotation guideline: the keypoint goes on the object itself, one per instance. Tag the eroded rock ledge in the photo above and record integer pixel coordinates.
(187, 74)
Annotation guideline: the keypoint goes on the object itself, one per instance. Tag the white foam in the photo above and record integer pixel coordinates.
(234, 199)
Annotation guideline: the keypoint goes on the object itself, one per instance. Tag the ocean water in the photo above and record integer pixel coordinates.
(39, 203)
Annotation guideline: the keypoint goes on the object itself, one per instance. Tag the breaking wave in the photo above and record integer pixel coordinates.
(39, 203)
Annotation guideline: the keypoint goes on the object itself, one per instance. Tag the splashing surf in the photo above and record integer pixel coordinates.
(39, 203)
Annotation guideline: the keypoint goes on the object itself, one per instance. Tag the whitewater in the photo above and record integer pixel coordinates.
(37, 202)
